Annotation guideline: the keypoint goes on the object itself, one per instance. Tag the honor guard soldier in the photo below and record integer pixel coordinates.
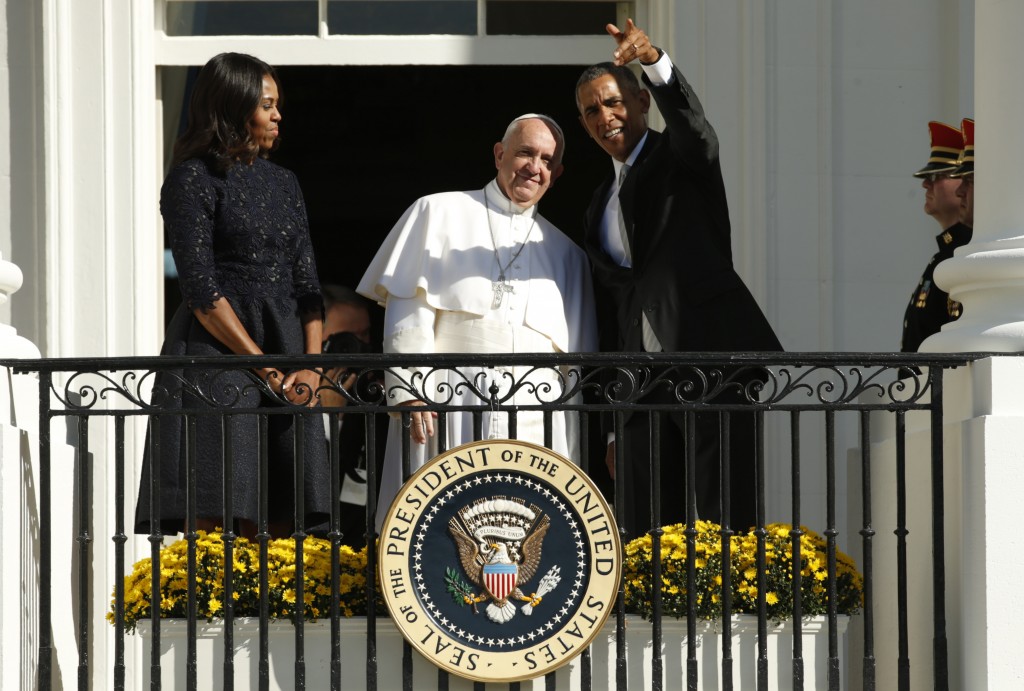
(930, 306)
(965, 174)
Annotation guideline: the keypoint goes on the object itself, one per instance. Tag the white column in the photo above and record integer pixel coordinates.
(987, 275)
(103, 282)
(991, 603)
(18, 429)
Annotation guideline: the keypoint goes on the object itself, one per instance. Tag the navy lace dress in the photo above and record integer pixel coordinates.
(244, 236)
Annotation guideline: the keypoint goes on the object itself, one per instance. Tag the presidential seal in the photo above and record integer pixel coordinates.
(499, 560)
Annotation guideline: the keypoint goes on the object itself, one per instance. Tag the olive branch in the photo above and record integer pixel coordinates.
(460, 591)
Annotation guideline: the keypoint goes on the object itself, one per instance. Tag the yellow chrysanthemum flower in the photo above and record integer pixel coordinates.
(710, 562)
(209, 550)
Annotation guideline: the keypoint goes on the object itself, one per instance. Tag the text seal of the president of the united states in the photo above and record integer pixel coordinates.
(499, 560)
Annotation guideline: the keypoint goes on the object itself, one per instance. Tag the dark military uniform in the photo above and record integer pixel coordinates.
(930, 306)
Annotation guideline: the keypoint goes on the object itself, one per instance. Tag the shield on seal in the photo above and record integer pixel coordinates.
(500, 579)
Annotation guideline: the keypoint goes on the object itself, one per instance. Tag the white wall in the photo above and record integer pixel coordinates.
(897, 65)
(822, 109)
(78, 187)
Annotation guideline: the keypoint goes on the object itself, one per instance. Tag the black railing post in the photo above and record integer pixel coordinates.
(371, 549)
(725, 497)
(830, 539)
(191, 671)
(299, 427)
(620, 517)
(45, 673)
(795, 534)
(940, 662)
(441, 430)
(868, 533)
(83, 540)
(586, 663)
(263, 536)
(119, 539)
(762, 559)
(228, 535)
(692, 673)
(155, 540)
(657, 663)
(407, 671)
(901, 532)
(335, 539)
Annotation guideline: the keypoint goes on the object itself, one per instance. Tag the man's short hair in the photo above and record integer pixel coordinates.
(514, 126)
(337, 294)
(622, 74)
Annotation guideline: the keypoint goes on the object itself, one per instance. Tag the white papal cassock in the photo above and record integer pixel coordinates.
(435, 274)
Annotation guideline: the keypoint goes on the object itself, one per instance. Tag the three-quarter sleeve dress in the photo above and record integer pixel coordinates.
(241, 235)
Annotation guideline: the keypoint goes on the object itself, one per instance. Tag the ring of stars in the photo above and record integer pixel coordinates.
(576, 587)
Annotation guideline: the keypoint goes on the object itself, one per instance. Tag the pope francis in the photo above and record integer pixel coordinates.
(482, 271)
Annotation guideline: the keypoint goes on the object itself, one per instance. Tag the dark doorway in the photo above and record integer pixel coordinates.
(365, 142)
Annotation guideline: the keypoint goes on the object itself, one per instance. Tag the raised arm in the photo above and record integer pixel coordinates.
(691, 138)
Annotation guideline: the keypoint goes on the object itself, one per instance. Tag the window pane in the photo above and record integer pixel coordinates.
(549, 18)
(241, 17)
(401, 17)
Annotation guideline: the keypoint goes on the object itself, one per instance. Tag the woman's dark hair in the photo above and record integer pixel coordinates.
(225, 95)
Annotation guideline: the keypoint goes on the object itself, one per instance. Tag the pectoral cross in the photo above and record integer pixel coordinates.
(500, 287)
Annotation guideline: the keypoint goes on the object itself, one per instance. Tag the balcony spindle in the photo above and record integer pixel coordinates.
(228, 536)
(901, 532)
(620, 517)
(190, 534)
(796, 533)
(119, 541)
(692, 673)
(725, 499)
(299, 425)
(940, 662)
(155, 540)
(868, 533)
(335, 536)
(371, 554)
(762, 562)
(83, 539)
(263, 537)
(830, 538)
(657, 662)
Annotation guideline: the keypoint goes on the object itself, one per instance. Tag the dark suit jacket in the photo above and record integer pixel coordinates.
(677, 218)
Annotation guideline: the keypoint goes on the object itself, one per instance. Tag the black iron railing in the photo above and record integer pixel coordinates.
(602, 391)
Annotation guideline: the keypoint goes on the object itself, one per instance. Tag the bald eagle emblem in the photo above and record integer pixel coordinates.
(499, 542)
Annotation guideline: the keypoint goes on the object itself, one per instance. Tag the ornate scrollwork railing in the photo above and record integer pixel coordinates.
(589, 383)
(687, 380)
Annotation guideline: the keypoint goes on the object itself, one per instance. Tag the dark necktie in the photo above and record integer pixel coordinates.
(622, 219)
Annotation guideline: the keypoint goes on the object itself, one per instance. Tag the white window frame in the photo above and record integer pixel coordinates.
(338, 49)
